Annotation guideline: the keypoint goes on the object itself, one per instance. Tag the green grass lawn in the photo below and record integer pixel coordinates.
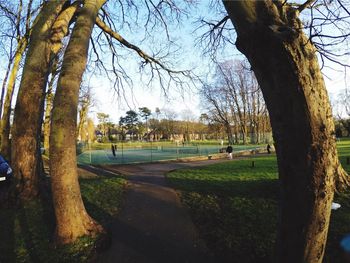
(26, 232)
(235, 207)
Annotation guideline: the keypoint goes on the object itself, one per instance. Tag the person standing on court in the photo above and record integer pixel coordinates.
(113, 150)
(229, 151)
(268, 148)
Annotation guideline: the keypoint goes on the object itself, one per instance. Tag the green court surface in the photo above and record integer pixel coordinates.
(150, 154)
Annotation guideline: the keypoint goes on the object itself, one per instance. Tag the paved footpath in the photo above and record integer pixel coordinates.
(152, 226)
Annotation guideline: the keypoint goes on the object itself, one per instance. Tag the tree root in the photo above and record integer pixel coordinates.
(342, 180)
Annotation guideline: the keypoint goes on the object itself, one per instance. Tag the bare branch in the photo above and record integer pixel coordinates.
(305, 5)
(124, 42)
(344, 8)
(215, 36)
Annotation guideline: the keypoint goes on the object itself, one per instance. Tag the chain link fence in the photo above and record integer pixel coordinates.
(125, 153)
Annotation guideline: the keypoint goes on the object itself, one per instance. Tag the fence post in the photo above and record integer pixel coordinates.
(90, 153)
(122, 152)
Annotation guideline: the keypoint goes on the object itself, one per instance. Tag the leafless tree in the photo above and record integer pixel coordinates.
(235, 100)
(281, 40)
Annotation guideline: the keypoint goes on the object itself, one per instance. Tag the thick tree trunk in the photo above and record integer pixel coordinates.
(72, 220)
(286, 66)
(5, 120)
(27, 119)
(59, 31)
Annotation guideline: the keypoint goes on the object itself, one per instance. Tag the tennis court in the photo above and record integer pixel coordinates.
(150, 154)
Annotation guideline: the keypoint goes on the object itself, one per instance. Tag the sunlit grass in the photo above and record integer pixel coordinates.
(235, 207)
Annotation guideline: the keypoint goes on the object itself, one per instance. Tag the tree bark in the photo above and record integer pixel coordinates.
(229, 133)
(3, 88)
(83, 114)
(58, 32)
(72, 220)
(5, 120)
(286, 66)
(49, 101)
(27, 119)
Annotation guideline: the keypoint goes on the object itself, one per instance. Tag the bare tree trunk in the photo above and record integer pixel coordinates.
(8, 69)
(286, 66)
(72, 220)
(49, 101)
(229, 133)
(58, 31)
(257, 131)
(243, 129)
(27, 119)
(5, 120)
(82, 120)
(85, 102)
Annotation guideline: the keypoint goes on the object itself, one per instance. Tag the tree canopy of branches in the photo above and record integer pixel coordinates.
(93, 28)
(284, 59)
(235, 101)
(280, 39)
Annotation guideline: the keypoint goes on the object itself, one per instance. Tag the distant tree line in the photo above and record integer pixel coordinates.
(148, 126)
(164, 124)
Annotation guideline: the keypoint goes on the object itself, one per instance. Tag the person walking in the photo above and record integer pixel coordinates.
(229, 151)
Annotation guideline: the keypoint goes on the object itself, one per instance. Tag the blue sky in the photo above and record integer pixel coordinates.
(188, 56)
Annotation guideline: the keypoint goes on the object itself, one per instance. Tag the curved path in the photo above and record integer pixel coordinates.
(152, 226)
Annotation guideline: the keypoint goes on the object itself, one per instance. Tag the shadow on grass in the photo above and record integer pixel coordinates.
(7, 224)
(100, 215)
(100, 172)
(36, 223)
(7, 235)
(262, 188)
(28, 235)
(26, 230)
(237, 218)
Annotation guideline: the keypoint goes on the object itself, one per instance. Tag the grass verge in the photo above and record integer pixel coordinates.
(235, 207)
(26, 232)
